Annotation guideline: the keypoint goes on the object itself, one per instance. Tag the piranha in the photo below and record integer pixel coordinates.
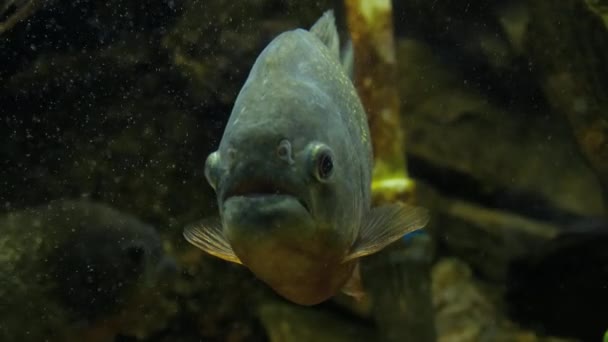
(292, 174)
(72, 263)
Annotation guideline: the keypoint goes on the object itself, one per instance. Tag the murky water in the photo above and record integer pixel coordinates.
(109, 111)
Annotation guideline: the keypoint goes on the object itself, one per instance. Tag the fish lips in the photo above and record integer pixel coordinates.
(264, 213)
(256, 207)
(263, 191)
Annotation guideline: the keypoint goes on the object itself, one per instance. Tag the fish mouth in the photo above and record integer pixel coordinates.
(257, 189)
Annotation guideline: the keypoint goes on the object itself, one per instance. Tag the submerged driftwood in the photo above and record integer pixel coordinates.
(488, 239)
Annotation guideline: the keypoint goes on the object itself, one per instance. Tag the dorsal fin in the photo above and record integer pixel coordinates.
(348, 59)
(325, 30)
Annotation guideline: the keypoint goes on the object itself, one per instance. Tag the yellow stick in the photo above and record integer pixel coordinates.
(371, 28)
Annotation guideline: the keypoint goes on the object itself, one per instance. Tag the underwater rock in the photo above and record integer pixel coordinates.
(549, 271)
(469, 311)
(69, 264)
(567, 42)
(454, 130)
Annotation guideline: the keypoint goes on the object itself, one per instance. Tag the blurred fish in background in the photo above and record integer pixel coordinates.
(69, 263)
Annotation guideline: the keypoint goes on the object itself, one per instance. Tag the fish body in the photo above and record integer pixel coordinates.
(293, 171)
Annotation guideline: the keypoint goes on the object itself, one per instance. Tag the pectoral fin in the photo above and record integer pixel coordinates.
(208, 236)
(385, 225)
(354, 286)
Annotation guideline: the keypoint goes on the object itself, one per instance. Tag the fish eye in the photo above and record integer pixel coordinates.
(323, 163)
